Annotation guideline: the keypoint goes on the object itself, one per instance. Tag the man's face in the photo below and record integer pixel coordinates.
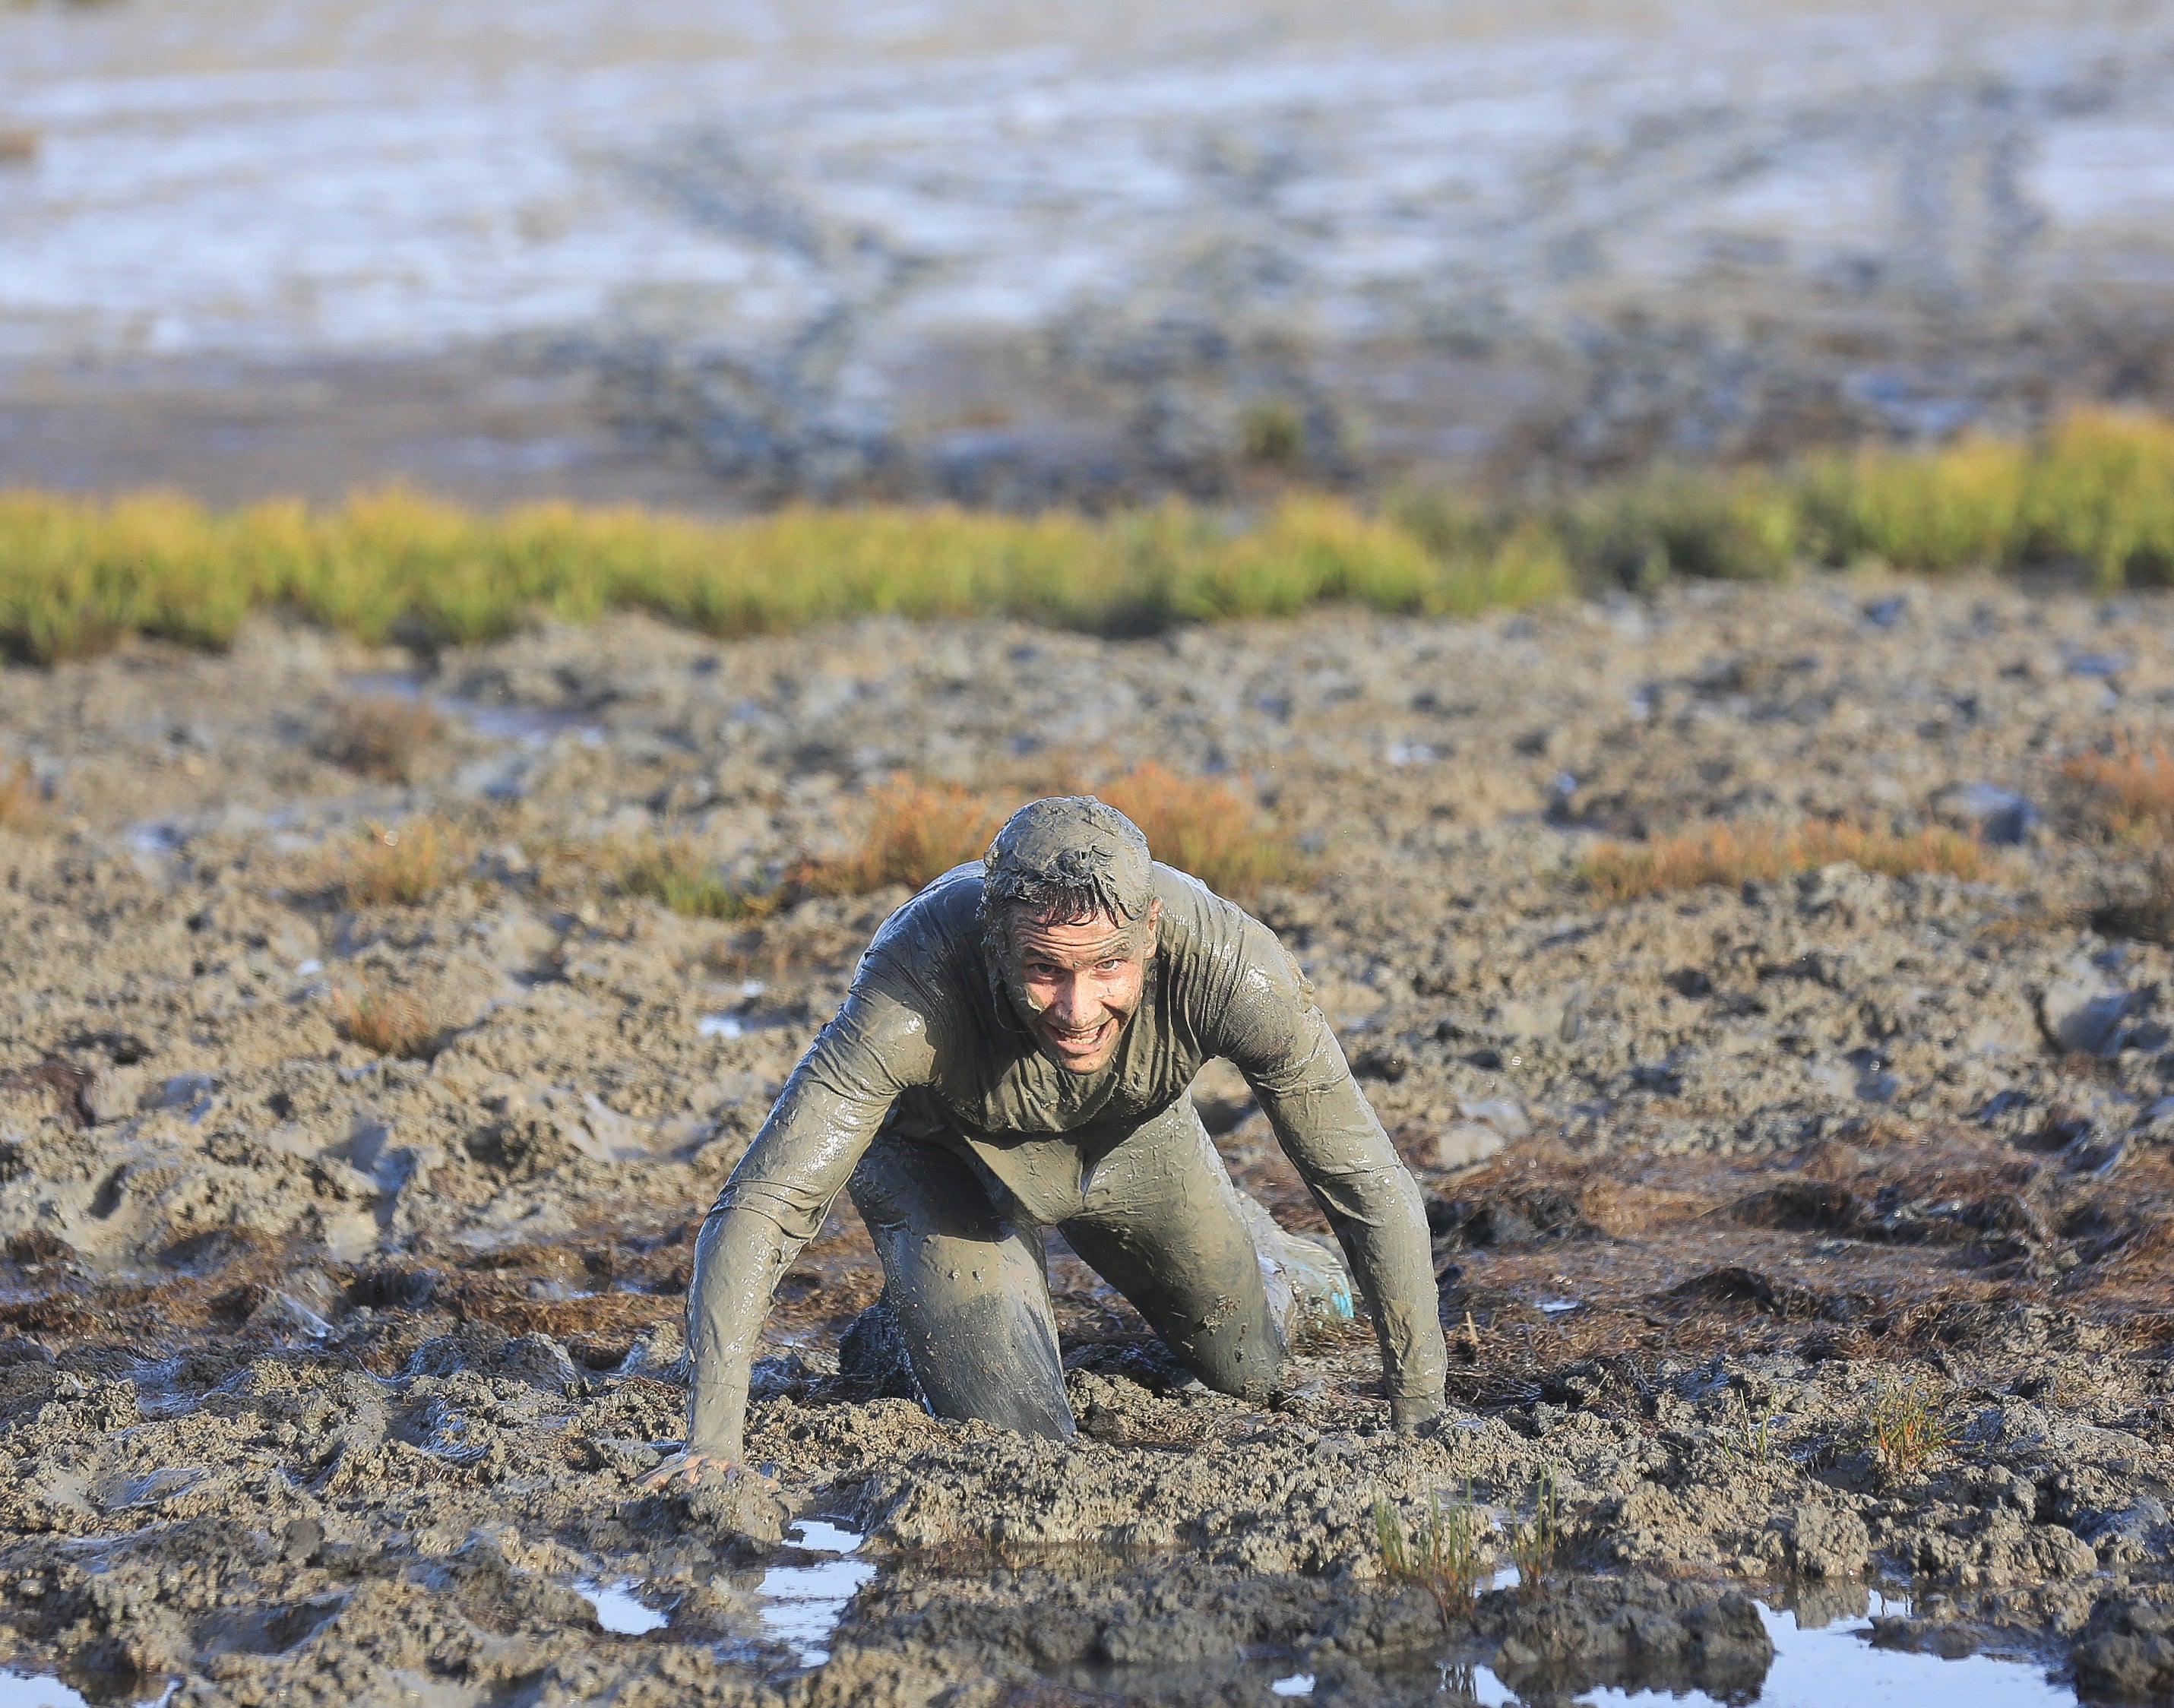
(1080, 984)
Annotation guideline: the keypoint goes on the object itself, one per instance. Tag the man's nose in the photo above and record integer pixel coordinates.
(1073, 999)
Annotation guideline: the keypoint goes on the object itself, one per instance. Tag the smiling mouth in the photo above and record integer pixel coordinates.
(1084, 1043)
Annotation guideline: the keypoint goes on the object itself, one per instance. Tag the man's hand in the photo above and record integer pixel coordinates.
(1406, 1415)
(693, 1466)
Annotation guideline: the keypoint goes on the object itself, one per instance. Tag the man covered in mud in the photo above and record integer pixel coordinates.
(1015, 1053)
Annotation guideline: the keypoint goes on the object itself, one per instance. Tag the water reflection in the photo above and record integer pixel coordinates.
(1823, 1658)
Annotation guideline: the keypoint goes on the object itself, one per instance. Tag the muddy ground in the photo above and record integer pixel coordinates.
(328, 1378)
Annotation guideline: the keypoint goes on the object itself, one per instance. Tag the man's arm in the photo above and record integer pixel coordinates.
(1275, 1035)
(876, 1047)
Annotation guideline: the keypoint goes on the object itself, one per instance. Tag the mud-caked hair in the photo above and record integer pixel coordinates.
(1065, 861)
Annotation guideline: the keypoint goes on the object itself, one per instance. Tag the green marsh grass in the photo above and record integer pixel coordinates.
(78, 575)
(1441, 1555)
(673, 874)
(401, 865)
(1905, 1426)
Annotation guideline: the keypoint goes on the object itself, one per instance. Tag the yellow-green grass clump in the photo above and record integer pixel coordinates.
(1726, 854)
(2098, 491)
(78, 575)
(675, 874)
(402, 865)
(1905, 1427)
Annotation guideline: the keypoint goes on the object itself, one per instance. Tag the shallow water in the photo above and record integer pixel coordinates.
(530, 726)
(355, 175)
(619, 1611)
(1836, 1666)
(38, 1690)
(803, 1604)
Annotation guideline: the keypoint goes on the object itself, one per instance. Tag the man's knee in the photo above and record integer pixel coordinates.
(982, 1343)
(1236, 1355)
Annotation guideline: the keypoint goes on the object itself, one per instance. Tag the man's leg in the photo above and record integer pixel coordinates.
(969, 1289)
(1164, 1226)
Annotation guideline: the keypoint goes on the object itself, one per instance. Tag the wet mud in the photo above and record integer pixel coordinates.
(327, 1376)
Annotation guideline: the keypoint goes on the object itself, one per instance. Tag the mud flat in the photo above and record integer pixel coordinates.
(327, 1376)
(716, 254)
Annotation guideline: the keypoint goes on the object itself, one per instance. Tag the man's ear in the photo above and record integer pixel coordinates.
(1154, 918)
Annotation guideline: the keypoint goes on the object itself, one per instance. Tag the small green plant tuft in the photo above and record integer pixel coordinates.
(1440, 1557)
(402, 865)
(675, 874)
(1273, 432)
(1744, 525)
(1752, 1426)
(1906, 1428)
(1536, 1544)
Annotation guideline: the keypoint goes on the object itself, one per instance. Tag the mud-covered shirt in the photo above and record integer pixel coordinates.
(928, 1047)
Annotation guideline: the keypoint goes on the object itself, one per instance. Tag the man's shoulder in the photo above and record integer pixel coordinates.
(936, 930)
(1199, 925)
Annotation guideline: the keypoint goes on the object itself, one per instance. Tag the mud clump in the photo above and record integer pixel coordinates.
(334, 1376)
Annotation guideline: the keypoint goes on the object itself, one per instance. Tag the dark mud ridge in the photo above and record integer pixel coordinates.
(1806, 1237)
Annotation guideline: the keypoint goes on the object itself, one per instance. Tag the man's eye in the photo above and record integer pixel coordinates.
(1108, 966)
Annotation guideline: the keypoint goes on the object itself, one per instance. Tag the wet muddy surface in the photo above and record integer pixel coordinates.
(330, 1377)
(716, 253)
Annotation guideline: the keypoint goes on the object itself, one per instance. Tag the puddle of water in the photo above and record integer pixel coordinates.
(721, 1026)
(531, 726)
(619, 1611)
(821, 1536)
(1834, 1667)
(1298, 1684)
(803, 1604)
(1556, 1307)
(33, 1690)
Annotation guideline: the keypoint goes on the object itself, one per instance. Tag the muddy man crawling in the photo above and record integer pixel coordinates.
(1014, 1054)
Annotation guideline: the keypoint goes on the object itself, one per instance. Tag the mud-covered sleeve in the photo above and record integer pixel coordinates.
(877, 1046)
(1271, 1028)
